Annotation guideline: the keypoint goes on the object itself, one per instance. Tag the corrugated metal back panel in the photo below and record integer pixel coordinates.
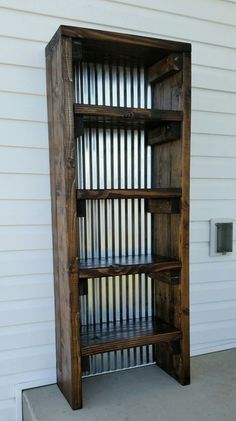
(111, 158)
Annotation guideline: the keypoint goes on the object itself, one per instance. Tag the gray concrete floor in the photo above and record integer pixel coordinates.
(146, 394)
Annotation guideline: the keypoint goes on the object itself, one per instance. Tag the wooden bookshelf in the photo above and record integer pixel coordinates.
(119, 164)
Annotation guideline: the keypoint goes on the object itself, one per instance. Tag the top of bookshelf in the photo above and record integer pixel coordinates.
(117, 48)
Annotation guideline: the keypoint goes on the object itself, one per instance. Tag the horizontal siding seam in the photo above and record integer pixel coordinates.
(26, 275)
(211, 200)
(124, 4)
(22, 250)
(45, 174)
(167, 12)
(25, 200)
(206, 303)
(21, 348)
(29, 225)
(212, 112)
(23, 147)
(24, 120)
(46, 122)
(194, 87)
(233, 281)
(2, 91)
(213, 322)
(42, 69)
(194, 155)
(131, 32)
(229, 1)
(24, 324)
(17, 300)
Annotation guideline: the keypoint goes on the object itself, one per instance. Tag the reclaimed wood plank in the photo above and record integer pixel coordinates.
(114, 47)
(113, 266)
(163, 206)
(124, 117)
(64, 218)
(127, 334)
(171, 232)
(127, 194)
(164, 133)
(164, 68)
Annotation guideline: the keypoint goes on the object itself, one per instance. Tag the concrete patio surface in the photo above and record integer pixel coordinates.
(146, 394)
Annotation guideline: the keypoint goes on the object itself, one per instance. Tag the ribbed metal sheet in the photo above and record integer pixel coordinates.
(111, 158)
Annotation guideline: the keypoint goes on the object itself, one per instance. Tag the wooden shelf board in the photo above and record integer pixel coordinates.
(128, 194)
(115, 266)
(127, 334)
(124, 117)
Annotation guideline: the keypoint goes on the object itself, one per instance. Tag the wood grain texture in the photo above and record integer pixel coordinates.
(128, 334)
(171, 277)
(168, 94)
(171, 232)
(163, 206)
(114, 37)
(168, 199)
(112, 266)
(184, 240)
(164, 68)
(164, 133)
(64, 218)
(124, 117)
(127, 194)
(115, 47)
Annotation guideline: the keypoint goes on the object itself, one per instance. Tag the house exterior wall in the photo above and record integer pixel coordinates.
(27, 352)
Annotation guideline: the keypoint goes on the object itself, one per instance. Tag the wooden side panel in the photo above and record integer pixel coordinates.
(168, 94)
(171, 232)
(60, 92)
(184, 240)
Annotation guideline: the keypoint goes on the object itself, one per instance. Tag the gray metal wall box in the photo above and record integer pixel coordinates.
(221, 236)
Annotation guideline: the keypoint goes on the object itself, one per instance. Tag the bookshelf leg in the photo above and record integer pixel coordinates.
(173, 357)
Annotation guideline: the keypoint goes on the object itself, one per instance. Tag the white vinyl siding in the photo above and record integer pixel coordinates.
(27, 351)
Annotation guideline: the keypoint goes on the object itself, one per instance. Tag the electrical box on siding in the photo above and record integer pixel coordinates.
(221, 237)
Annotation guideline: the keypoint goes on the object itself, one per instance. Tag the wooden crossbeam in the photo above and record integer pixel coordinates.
(164, 134)
(164, 68)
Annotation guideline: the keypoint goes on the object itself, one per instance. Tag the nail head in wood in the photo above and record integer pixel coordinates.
(164, 133)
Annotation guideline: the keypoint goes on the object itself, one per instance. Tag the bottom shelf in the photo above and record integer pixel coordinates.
(128, 334)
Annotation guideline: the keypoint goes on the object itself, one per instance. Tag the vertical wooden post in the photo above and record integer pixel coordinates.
(62, 146)
(171, 232)
(184, 238)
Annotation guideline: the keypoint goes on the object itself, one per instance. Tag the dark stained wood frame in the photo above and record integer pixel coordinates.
(171, 166)
(97, 268)
(62, 148)
(168, 65)
(128, 193)
(127, 335)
